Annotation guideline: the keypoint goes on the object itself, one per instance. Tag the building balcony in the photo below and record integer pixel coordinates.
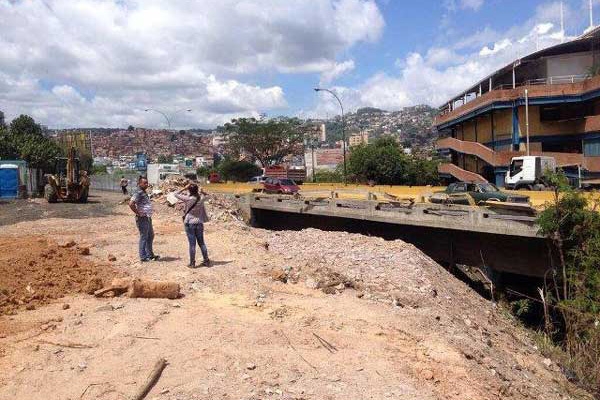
(543, 90)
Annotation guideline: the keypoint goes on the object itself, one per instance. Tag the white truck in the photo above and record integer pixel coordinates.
(527, 172)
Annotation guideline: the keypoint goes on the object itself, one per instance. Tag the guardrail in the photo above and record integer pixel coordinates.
(549, 81)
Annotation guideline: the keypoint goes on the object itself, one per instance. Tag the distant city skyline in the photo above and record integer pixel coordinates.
(91, 63)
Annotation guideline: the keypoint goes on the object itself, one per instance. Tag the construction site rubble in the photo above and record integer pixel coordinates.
(219, 207)
(374, 267)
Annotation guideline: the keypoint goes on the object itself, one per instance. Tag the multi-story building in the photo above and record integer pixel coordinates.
(322, 159)
(323, 133)
(359, 138)
(219, 140)
(547, 102)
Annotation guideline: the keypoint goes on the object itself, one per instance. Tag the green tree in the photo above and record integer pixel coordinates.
(86, 162)
(98, 170)
(267, 141)
(423, 172)
(7, 148)
(26, 139)
(384, 162)
(130, 128)
(238, 171)
(572, 225)
(203, 171)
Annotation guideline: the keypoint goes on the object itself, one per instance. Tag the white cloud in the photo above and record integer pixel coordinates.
(92, 62)
(496, 48)
(472, 4)
(336, 70)
(453, 5)
(434, 76)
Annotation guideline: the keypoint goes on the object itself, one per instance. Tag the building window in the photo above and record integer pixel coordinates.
(591, 147)
(565, 112)
(563, 146)
(515, 167)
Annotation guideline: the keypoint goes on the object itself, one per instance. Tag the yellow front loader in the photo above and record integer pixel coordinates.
(69, 183)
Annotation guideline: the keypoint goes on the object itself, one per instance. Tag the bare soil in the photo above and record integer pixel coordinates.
(36, 271)
(280, 315)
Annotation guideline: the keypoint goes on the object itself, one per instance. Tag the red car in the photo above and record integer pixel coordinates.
(214, 178)
(280, 186)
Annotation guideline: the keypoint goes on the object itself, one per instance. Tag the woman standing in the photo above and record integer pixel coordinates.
(194, 218)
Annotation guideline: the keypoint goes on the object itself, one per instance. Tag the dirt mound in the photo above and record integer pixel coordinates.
(219, 207)
(36, 271)
(380, 269)
(462, 331)
(223, 208)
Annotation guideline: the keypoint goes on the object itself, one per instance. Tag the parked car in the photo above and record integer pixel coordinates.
(280, 186)
(214, 177)
(258, 179)
(479, 192)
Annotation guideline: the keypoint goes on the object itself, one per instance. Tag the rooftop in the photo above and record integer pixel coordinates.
(522, 71)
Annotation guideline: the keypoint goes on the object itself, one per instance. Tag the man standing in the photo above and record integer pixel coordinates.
(141, 205)
(124, 183)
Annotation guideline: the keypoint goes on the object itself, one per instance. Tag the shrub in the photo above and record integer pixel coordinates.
(572, 225)
(203, 171)
(238, 171)
(327, 176)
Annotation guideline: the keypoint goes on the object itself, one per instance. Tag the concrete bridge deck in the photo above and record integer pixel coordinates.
(451, 234)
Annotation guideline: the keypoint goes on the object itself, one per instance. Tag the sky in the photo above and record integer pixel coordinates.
(103, 63)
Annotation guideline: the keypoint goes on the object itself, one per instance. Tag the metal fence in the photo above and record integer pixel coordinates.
(112, 182)
(551, 80)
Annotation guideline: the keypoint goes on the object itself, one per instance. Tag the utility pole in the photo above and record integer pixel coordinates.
(343, 133)
(166, 116)
(527, 118)
(591, 15)
(562, 23)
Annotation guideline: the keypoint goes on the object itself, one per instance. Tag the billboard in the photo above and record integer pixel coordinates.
(141, 162)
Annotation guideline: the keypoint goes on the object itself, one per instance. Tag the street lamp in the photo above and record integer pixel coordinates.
(343, 133)
(167, 116)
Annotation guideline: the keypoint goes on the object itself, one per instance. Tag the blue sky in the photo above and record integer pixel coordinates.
(103, 62)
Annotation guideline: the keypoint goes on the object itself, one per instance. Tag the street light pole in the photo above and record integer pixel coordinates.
(166, 116)
(343, 123)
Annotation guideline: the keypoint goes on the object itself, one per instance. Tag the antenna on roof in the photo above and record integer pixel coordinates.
(591, 15)
(562, 23)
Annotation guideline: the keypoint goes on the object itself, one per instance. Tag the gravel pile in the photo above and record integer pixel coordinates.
(377, 268)
(223, 208)
(433, 305)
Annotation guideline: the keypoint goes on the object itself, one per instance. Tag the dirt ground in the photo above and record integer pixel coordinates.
(280, 315)
(50, 271)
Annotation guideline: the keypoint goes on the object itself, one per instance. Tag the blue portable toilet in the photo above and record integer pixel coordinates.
(9, 181)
